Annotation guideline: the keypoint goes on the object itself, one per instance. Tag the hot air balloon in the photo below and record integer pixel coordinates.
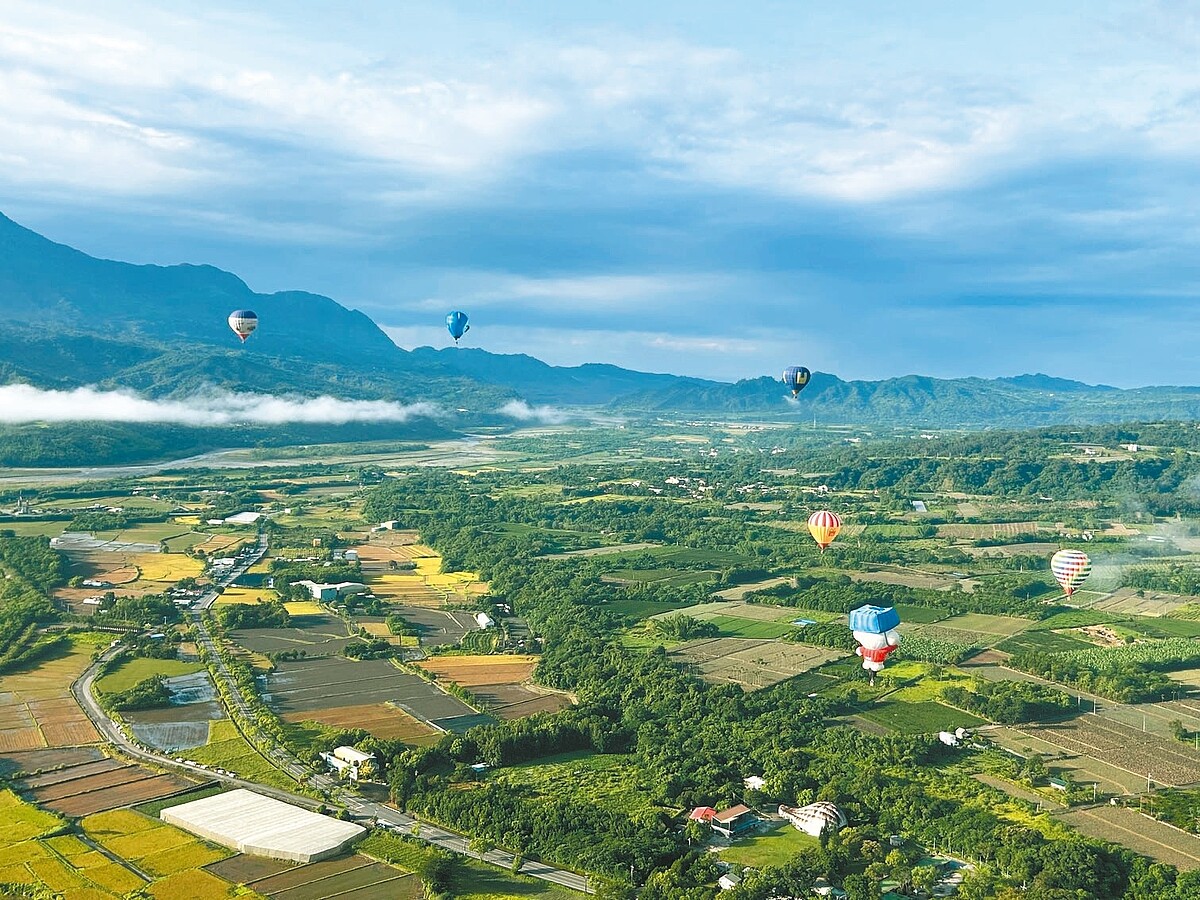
(796, 377)
(1071, 568)
(874, 628)
(456, 324)
(824, 527)
(243, 322)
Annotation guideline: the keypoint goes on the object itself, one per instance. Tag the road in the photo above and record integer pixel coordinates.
(359, 807)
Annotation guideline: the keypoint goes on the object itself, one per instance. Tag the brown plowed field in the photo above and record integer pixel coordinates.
(242, 869)
(475, 670)
(1167, 761)
(378, 718)
(97, 785)
(122, 795)
(1138, 832)
(41, 760)
(309, 873)
(753, 664)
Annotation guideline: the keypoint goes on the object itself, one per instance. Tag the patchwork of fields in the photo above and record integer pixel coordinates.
(347, 878)
(36, 706)
(1141, 833)
(321, 689)
(83, 788)
(500, 682)
(753, 664)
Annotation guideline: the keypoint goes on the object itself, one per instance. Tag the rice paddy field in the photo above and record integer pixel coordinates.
(236, 594)
(138, 669)
(354, 877)
(152, 845)
(321, 690)
(36, 706)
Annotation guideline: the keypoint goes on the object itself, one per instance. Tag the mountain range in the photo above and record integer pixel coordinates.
(68, 320)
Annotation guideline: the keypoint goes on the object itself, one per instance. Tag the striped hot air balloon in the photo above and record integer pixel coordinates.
(243, 322)
(1071, 568)
(824, 527)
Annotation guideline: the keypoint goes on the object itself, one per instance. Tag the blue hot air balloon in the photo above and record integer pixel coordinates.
(456, 324)
(796, 377)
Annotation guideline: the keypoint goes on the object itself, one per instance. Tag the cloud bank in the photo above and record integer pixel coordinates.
(21, 403)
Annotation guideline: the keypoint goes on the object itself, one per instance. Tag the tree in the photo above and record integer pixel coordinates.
(481, 846)
(925, 877)
(860, 887)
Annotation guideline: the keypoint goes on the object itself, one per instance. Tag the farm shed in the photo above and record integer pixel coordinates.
(258, 825)
(734, 820)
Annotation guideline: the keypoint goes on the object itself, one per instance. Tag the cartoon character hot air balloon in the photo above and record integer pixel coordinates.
(796, 378)
(824, 527)
(1071, 568)
(456, 324)
(874, 628)
(243, 322)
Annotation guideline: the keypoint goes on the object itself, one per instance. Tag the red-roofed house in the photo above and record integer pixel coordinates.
(702, 814)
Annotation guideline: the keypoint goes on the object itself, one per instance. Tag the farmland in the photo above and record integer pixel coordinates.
(316, 688)
(1141, 833)
(227, 749)
(499, 682)
(753, 664)
(91, 787)
(36, 706)
(919, 717)
(354, 876)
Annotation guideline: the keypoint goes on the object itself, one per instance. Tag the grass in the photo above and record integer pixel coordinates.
(640, 609)
(770, 849)
(228, 749)
(139, 669)
(921, 717)
(476, 881)
(393, 850)
(602, 780)
(660, 576)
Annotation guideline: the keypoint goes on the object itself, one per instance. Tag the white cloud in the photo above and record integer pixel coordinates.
(523, 412)
(23, 403)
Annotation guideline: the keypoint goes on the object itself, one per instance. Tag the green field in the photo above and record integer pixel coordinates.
(771, 848)
(920, 615)
(139, 668)
(641, 608)
(228, 749)
(920, 717)
(660, 576)
(605, 780)
(734, 626)
(1044, 642)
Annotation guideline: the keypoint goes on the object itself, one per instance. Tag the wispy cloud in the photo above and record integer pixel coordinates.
(23, 403)
(523, 412)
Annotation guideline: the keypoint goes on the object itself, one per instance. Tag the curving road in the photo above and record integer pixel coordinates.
(358, 806)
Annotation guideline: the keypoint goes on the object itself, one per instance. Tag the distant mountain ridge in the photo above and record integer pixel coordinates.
(68, 319)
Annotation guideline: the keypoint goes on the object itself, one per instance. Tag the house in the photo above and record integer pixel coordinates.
(733, 821)
(702, 814)
(351, 763)
(814, 818)
(386, 526)
(948, 738)
(728, 882)
(483, 620)
(351, 556)
(754, 782)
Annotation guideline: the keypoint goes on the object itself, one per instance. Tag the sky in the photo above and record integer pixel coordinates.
(705, 188)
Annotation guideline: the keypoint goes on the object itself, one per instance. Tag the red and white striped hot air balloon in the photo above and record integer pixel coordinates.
(824, 527)
(1071, 568)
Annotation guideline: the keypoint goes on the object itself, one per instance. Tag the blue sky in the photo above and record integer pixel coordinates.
(712, 189)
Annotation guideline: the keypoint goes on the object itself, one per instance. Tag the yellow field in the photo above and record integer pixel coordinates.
(194, 884)
(245, 595)
(303, 608)
(186, 520)
(170, 567)
(218, 543)
(20, 821)
(153, 845)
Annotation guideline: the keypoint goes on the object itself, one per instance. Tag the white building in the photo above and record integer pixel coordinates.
(484, 620)
(814, 818)
(728, 882)
(243, 518)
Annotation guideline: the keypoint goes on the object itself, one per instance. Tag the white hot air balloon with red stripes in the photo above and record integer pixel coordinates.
(824, 527)
(1071, 568)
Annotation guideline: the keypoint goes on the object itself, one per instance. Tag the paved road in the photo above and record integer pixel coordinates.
(359, 807)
